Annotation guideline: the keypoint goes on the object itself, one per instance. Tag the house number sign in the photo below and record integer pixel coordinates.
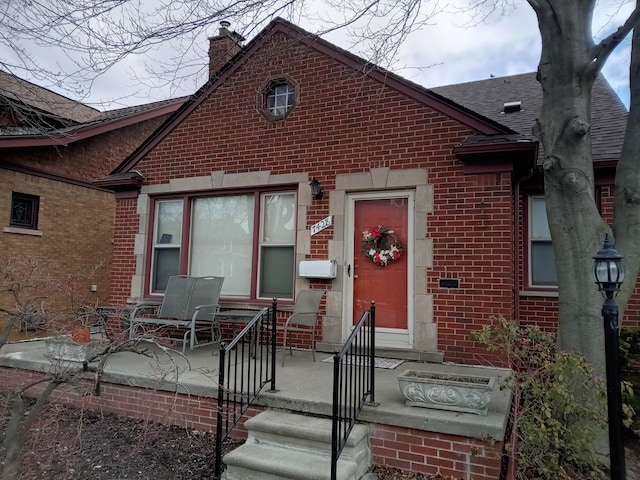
(321, 225)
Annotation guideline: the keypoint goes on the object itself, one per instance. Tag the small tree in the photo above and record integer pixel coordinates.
(31, 297)
(554, 429)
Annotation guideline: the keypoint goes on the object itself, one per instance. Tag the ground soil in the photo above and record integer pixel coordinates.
(69, 444)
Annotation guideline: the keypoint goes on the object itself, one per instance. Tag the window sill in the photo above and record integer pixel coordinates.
(227, 304)
(22, 231)
(539, 293)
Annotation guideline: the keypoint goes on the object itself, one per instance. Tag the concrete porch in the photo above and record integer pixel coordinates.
(411, 438)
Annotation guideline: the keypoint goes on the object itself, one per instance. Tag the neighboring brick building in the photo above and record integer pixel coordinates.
(51, 149)
(223, 188)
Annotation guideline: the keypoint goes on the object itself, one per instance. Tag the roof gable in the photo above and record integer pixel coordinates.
(357, 64)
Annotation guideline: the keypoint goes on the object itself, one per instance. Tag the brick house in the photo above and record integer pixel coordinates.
(223, 188)
(51, 149)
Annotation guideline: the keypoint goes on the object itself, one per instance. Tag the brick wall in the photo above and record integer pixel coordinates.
(76, 224)
(123, 263)
(76, 221)
(431, 453)
(170, 408)
(473, 237)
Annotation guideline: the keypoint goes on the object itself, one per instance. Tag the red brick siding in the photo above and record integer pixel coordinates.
(473, 236)
(170, 408)
(123, 263)
(631, 316)
(431, 453)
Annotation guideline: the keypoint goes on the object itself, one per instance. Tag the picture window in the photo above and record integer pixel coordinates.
(246, 237)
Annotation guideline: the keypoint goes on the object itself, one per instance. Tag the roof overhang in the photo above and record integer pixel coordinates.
(125, 184)
(497, 156)
(76, 134)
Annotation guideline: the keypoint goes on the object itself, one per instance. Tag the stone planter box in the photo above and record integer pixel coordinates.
(445, 391)
(64, 348)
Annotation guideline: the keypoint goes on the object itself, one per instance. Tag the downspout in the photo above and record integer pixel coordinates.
(516, 236)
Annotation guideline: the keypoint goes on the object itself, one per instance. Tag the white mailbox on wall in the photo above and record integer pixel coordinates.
(317, 269)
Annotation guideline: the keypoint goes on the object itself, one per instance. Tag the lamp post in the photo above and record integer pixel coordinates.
(609, 275)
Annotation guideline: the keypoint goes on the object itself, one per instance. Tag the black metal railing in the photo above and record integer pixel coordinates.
(247, 364)
(353, 382)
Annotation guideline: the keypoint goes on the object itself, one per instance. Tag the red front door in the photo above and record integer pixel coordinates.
(386, 285)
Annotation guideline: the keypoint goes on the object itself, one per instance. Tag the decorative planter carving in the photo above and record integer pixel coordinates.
(64, 348)
(443, 391)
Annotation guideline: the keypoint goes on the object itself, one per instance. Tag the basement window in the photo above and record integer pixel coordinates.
(24, 211)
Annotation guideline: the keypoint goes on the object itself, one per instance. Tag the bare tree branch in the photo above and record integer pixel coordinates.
(602, 51)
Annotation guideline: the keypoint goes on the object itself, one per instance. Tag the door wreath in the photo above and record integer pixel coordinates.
(381, 245)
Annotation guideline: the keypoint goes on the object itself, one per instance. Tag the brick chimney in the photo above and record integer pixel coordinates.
(223, 47)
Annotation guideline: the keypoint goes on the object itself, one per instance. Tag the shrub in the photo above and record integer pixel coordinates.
(630, 373)
(559, 402)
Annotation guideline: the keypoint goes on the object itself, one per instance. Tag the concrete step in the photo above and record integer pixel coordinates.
(283, 445)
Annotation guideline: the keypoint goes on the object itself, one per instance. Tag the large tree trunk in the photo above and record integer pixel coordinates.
(626, 225)
(577, 229)
(569, 64)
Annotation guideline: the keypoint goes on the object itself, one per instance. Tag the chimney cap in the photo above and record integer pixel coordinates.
(225, 24)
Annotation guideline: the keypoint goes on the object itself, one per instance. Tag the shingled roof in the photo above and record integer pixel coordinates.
(58, 120)
(488, 98)
(45, 101)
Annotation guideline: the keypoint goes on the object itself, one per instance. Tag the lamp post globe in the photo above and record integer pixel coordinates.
(608, 269)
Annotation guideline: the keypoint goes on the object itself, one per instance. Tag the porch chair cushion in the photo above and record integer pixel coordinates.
(303, 319)
(189, 303)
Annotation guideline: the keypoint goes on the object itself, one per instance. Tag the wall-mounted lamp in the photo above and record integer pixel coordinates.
(316, 189)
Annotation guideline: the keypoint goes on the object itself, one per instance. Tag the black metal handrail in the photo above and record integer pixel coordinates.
(353, 382)
(247, 364)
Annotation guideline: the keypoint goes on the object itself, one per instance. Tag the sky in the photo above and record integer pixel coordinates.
(445, 52)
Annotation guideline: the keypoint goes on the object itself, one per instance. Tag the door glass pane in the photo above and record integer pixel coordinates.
(279, 218)
(167, 264)
(543, 266)
(222, 240)
(276, 272)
